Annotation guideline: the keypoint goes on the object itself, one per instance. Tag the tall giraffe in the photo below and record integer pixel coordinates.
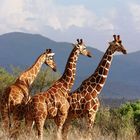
(84, 100)
(16, 96)
(53, 103)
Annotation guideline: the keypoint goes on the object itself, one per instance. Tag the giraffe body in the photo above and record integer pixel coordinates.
(84, 101)
(16, 96)
(53, 103)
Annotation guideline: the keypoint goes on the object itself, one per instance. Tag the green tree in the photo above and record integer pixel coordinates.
(44, 80)
(130, 113)
(5, 79)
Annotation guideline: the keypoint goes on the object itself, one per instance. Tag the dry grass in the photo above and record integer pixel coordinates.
(108, 126)
(75, 133)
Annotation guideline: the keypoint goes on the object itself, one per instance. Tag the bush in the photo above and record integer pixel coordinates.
(5, 79)
(44, 80)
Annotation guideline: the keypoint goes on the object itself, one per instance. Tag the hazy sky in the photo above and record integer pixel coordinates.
(65, 20)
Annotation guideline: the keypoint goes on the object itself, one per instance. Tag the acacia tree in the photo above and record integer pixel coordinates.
(5, 79)
(44, 80)
(131, 110)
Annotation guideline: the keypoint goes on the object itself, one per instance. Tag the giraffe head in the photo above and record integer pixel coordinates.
(116, 45)
(49, 59)
(82, 48)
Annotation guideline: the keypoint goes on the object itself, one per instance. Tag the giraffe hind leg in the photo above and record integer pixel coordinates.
(28, 123)
(16, 122)
(61, 118)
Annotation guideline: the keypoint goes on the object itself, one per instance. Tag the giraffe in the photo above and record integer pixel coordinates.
(53, 104)
(84, 100)
(16, 95)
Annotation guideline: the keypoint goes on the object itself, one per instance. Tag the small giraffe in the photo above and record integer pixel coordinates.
(16, 96)
(84, 100)
(53, 103)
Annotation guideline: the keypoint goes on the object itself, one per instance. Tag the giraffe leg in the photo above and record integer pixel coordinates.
(16, 118)
(28, 123)
(91, 119)
(5, 120)
(61, 118)
(65, 129)
(92, 114)
(39, 122)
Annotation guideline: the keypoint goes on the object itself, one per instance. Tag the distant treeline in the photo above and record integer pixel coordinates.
(44, 79)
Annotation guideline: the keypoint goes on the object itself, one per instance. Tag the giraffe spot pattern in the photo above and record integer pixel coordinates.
(101, 70)
(98, 87)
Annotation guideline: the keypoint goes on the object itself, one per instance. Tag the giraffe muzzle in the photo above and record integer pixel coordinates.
(54, 69)
(89, 54)
(124, 52)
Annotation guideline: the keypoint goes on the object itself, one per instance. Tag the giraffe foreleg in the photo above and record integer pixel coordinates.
(92, 113)
(91, 119)
(61, 118)
(90, 122)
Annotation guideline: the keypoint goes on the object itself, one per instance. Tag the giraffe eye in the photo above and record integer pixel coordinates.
(50, 58)
(78, 46)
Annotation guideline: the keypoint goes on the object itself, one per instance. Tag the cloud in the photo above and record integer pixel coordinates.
(67, 22)
(135, 12)
(34, 15)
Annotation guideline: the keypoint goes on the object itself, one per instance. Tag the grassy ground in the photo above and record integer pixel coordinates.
(76, 133)
(109, 125)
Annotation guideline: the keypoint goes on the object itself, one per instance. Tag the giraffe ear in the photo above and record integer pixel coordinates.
(110, 43)
(51, 54)
(79, 42)
(75, 45)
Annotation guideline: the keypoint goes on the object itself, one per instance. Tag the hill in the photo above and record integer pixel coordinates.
(22, 49)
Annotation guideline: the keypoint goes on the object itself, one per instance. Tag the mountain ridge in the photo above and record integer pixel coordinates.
(22, 49)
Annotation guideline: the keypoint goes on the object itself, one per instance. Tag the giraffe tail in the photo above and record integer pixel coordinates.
(9, 116)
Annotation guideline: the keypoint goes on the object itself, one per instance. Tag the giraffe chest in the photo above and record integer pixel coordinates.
(81, 105)
(15, 95)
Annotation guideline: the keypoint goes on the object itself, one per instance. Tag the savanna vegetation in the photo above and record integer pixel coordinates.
(121, 123)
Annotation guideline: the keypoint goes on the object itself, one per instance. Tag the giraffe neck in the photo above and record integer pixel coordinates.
(96, 81)
(28, 76)
(68, 76)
